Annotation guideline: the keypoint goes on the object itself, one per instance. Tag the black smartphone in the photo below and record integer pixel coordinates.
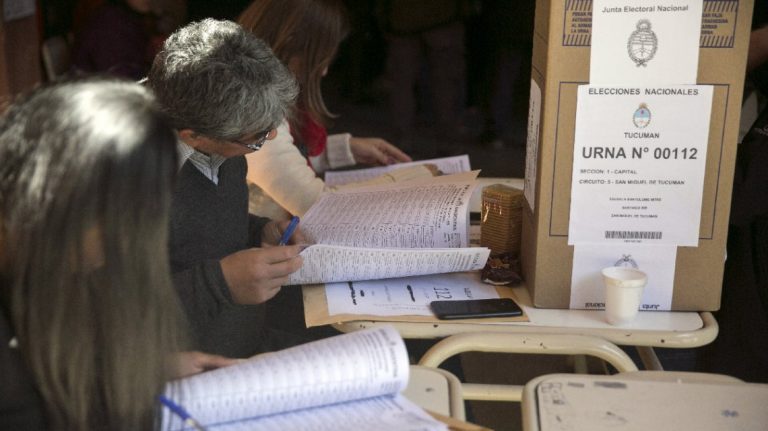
(475, 308)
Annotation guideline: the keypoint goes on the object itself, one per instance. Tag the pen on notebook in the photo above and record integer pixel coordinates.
(289, 230)
(178, 410)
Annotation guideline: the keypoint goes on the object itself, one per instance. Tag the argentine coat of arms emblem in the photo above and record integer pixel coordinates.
(642, 116)
(642, 43)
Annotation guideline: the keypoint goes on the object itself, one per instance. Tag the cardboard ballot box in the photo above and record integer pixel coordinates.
(561, 62)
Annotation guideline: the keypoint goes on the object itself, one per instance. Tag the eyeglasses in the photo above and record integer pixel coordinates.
(257, 143)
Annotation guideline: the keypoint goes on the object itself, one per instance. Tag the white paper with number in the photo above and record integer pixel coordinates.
(638, 164)
(404, 296)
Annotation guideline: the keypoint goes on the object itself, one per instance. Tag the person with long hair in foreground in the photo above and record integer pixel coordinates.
(89, 321)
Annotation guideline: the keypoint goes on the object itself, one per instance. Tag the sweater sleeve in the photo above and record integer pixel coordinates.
(203, 292)
(280, 170)
(337, 154)
(255, 226)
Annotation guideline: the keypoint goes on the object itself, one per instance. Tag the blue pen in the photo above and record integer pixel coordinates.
(289, 230)
(178, 410)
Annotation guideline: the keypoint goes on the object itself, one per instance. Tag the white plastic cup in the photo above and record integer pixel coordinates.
(623, 290)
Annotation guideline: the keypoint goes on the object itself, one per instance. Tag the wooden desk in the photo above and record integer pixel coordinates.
(643, 401)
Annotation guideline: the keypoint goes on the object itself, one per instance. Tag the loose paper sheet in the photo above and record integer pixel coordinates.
(404, 296)
(316, 305)
(532, 144)
(644, 42)
(638, 164)
(657, 261)
(447, 165)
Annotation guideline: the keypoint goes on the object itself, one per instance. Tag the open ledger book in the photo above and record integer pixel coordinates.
(394, 230)
(348, 382)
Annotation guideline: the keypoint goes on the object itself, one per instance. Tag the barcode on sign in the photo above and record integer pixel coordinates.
(632, 234)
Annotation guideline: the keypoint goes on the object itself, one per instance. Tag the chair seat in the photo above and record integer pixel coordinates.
(435, 390)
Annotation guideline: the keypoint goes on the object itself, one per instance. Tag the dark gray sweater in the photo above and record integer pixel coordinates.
(208, 222)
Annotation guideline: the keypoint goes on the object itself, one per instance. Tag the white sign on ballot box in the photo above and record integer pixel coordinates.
(638, 164)
(645, 43)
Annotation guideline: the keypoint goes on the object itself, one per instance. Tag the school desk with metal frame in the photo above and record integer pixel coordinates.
(435, 390)
(555, 332)
(643, 400)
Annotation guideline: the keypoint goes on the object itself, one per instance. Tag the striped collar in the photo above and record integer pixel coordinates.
(207, 165)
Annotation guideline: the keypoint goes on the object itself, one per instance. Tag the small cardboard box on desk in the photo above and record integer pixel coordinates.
(561, 63)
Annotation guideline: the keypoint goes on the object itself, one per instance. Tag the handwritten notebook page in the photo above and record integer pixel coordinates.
(348, 367)
(447, 165)
(415, 215)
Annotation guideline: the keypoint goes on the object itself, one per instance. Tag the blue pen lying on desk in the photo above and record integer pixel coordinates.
(178, 410)
(289, 230)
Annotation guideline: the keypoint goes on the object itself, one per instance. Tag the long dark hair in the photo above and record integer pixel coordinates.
(85, 178)
(308, 31)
